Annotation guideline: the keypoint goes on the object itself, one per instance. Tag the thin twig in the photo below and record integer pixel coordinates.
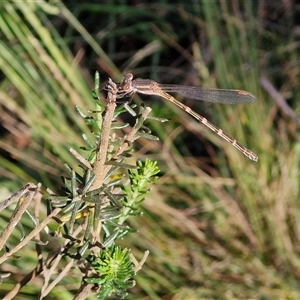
(80, 158)
(29, 191)
(138, 265)
(104, 137)
(31, 235)
(50, 266)
(267, 85)
(37, 270)
(29, 187)
(129, 139)
(32, 274)
(60, 276)
(86, 289)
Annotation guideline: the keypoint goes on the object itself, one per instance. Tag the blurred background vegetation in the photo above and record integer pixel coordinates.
(217, 225)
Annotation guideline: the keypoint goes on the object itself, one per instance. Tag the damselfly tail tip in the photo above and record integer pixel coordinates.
(252, 156)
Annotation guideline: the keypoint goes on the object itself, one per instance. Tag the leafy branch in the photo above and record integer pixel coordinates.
(95, 202)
